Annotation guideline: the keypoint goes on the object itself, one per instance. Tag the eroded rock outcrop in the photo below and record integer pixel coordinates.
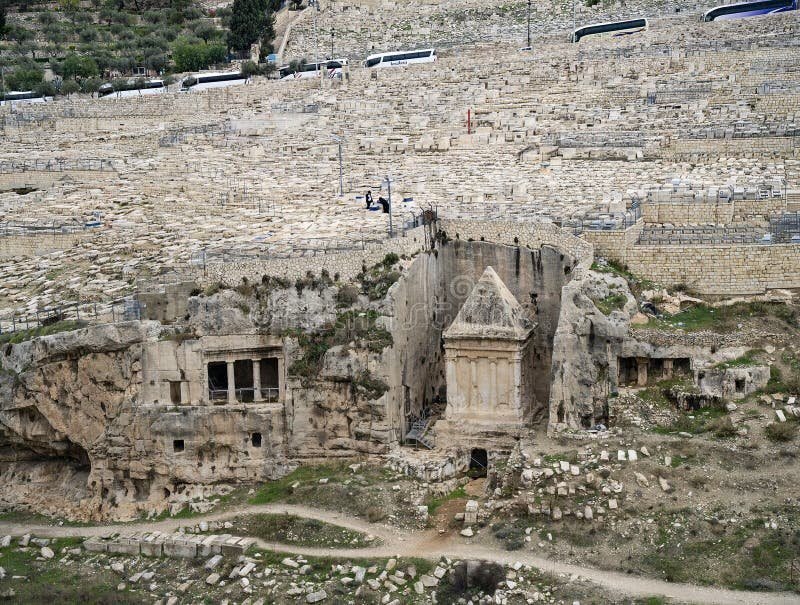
(585, 348)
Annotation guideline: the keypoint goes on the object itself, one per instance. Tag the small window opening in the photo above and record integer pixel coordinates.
(255, 439)
(175, 391)
(740, 385)
(177, 445)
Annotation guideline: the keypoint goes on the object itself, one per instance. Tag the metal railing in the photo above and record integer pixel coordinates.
(306, 248)
(614, 222)
(9, 229)
(246, 395)
(57, 165)
(609, 138)
(177, 136)
(785, 228)
(120, 310)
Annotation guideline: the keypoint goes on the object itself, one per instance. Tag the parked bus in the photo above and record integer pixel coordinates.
(749, 9)
(614, 28)
(150, 87)
(212, 80)
(332, 69)
(401, 57)
(27, 96)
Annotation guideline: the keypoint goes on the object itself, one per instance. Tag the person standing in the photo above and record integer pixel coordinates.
(369, 199)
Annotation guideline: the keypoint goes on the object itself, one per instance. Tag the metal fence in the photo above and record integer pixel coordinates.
(613, 222)
(124, 309)
(245, 395)
(611, 138)
(785, 228)
(178, 136)
(54, 227)
(307, 248)
(686, 191)
(57, 165)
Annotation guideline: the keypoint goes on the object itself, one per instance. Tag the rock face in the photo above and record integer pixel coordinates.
(116, 421)
(585, 349)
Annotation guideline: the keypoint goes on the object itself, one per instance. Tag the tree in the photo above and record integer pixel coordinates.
(205, 30)
(90, 85)
(70, 7)
(76, 66)
(251, 21)
(191, 56)
(3, 10)
(24, 78)
(69, 87)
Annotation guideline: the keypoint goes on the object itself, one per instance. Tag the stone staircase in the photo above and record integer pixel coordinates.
(419, 432)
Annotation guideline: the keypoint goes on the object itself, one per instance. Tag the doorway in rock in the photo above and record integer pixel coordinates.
(478, 463)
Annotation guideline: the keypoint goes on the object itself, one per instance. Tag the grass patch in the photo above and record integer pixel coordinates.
(375, 282)
(748, 359)
(435, 503)
(635, 283)
(659, 394)
(289, 529)
(280, 489)
(362, 494)
(726, 319)
(51, 582)
(611, 303)
(743, 557)
(697, 422)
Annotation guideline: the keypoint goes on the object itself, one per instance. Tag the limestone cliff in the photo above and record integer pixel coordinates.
(585, 348)
(60, 399)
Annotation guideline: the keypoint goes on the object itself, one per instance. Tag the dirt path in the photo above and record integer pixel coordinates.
(431, 545)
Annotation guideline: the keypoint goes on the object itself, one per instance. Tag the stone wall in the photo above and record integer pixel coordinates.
(744, 147)
(35, 245)
(346, 264)
(611, 244)
(714, 269)
(704, 212)
(719, 269)
(529, 235)
(42, 179)
(349, 264)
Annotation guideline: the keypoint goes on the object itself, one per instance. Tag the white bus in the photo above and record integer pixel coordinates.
(401, 57)
(333, 69)
(613, 28)
(204, 81)
(23, 97)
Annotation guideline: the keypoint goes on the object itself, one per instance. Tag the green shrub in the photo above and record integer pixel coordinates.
(781, 431)
(347, 295)
(390, 259)
(722, 428)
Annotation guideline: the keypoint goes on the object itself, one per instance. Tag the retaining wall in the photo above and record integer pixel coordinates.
(34, 245)
(349, 264)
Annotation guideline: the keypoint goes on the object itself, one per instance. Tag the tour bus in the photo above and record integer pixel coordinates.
(212, 80)
(27, 96)
(332, 69)
(401, 57)
(749, 9)
(150, 87)
(613, 28)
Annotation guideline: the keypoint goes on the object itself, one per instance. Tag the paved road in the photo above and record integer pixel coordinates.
(428, 544)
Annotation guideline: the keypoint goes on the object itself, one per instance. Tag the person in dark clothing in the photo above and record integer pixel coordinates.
(384, 204)
(369, 199)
